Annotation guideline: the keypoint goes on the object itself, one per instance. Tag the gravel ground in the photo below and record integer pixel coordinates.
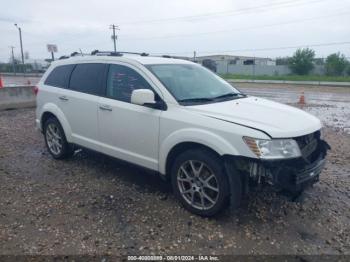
(93, 204)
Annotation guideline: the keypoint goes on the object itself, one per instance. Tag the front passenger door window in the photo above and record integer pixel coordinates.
(122, 81)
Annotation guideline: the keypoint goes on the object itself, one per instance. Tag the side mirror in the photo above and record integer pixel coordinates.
(142, 97)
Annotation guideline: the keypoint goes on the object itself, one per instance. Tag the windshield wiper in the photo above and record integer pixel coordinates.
(229, 95)
(198, 99)
(210, 99)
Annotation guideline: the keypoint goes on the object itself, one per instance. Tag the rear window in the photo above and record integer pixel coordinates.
(59, 76)
(88, 78)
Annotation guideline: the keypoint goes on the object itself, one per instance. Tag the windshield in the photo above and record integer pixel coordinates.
(193, 83)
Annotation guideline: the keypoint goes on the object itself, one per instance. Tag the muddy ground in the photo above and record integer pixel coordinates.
(93, 204)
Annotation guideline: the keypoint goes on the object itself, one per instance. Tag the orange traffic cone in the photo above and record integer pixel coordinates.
(302, 99)
(1, 82)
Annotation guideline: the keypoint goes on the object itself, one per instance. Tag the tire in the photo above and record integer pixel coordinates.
(59, 148)
(192, 185)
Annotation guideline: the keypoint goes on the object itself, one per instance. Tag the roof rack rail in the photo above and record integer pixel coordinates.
(75, 54)
(63, 57)
(78, 54)
(119, 53)
(108, 53)
(134, 53)
(167, 56)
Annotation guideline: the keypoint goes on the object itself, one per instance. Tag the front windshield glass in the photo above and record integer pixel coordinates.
(193, 83)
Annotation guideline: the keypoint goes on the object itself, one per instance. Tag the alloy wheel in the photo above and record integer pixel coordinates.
(54, 139)
(198, 184)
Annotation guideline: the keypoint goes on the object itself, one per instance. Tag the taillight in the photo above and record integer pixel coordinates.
(36, 90)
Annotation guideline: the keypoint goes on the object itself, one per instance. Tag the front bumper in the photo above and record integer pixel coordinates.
(291, 174)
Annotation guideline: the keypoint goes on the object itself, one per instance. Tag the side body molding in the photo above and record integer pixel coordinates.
(193, 135)
(52, 108)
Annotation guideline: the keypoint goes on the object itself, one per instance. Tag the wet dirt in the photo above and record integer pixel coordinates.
(93, 204)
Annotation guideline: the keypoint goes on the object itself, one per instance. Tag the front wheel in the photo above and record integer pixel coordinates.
(199, 182)
(55, 140)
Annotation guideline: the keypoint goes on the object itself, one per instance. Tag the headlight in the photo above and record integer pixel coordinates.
(273, 149)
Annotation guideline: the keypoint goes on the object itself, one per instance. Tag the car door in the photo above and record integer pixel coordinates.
(80, 102)
(128, 131)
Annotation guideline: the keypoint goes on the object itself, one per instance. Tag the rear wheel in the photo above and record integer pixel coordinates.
(199, 182)
(55, 139)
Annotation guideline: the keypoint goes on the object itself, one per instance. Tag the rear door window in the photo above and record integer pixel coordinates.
(88, 78)
(59, 76)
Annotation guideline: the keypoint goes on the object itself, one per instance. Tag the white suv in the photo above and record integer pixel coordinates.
(181, 120)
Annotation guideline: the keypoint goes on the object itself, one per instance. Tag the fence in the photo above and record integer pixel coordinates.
(269, 70)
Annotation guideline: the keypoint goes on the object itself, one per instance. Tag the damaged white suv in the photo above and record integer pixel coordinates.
(181, 120)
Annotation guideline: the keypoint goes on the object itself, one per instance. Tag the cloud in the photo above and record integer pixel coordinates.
(150, 24)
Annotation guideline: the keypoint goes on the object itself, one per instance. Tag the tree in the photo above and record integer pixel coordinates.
(301, 63)
(348, 69)
(319, 61)
(336, 64)
(282, 60)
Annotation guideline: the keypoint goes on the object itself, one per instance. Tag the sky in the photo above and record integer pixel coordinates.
(265, 28)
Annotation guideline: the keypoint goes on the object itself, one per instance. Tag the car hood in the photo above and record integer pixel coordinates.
(277, 120)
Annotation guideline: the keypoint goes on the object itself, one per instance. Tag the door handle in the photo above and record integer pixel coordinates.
(105, 108)
(63, 98)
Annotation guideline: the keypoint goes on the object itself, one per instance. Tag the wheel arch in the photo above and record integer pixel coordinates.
(181, 147)
(51, 110)
(189, 139)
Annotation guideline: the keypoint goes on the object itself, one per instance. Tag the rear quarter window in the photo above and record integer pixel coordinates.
(88, 78)
(59, 76)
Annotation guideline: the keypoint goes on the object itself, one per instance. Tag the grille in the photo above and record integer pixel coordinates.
(308, 145)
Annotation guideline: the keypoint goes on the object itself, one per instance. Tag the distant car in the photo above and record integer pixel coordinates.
(181, 120)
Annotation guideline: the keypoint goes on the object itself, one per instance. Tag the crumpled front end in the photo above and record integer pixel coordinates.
(289, 174)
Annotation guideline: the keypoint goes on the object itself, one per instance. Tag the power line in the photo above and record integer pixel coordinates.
(261, 49)
(239, 29)
(228, 30)
(232, 30)
(213, 32)
(224, 13)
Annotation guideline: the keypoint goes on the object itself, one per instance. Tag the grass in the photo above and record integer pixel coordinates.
(290, 77)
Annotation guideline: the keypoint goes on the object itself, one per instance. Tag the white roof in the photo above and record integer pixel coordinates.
(159, 60)
(145, 60)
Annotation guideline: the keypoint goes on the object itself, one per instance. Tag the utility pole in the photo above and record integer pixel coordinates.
(13, 60)
(194, 56)
(20, 40)
(114, 27)
(254, 67)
